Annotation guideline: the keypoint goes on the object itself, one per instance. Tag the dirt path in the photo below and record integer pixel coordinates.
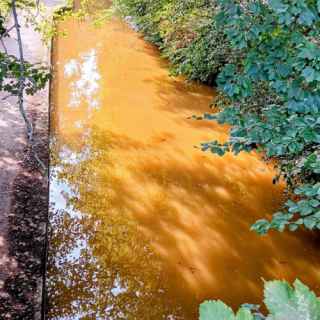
(11, 150)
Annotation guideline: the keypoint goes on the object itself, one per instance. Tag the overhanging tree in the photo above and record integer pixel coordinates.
(273, 94)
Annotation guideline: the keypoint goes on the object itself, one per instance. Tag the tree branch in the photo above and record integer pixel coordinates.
(6, 33)
(3, 46)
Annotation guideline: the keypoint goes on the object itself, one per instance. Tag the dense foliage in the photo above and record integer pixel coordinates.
(185, 31)
(280, 54)
(267, 55)
(282, 301)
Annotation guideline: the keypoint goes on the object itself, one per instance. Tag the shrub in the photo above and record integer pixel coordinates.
(186, 33)
(204, 57)
(273, 97)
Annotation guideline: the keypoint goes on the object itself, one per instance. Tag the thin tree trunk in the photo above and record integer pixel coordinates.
(22, 85)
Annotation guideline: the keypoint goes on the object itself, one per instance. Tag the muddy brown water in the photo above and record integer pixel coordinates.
(143, 224)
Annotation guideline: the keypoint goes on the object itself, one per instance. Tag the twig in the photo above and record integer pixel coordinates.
(4, 46)
(38, 8)
(22, 73)
(7, 96)
(6, 33)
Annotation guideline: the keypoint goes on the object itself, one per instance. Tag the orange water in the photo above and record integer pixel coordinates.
(143, 224)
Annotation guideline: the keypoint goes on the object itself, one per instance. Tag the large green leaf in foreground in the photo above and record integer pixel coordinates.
(283, 302)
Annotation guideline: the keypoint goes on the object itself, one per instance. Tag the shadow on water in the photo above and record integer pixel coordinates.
(143, 225)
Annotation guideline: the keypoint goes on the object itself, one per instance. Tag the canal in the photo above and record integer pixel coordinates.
(143, 225)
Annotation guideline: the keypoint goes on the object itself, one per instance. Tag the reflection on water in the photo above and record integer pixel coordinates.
(86, 85)
(144, 225)
(101, 266)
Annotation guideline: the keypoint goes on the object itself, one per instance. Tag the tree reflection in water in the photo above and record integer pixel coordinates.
(100, 266)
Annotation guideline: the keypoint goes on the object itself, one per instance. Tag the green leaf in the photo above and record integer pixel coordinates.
(215, 310)
(308, 305)
(310, 222)
(283, 303)
(307, 17)
(244, 314)
(293, 227)
(277, 294)
(309, 74)
(278, 6)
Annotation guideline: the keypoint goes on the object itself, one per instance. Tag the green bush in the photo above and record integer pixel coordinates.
(282, 301)
(273, 97)
(186, 33)
(204, 57)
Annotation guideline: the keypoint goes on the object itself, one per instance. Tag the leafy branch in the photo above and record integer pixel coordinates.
(19, 77)
(279, 69)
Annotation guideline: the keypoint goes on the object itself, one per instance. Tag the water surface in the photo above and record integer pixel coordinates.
(143, 224)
